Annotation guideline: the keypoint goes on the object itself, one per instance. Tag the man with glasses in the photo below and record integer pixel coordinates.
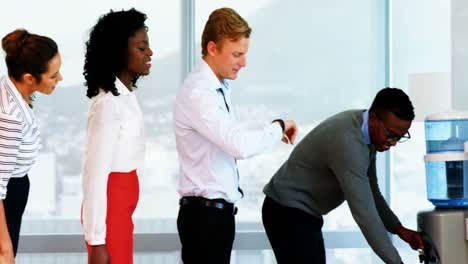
(394, 137)
(334, 163)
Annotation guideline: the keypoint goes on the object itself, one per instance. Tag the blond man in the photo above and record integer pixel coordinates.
(210, 140)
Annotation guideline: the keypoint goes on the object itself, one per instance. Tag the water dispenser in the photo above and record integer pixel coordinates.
(444, 229)
(446, 160)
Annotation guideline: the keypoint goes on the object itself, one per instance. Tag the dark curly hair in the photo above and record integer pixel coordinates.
(107, 49)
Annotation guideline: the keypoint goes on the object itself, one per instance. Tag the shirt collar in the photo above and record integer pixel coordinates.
(26, 111)
(365, 127)
(226, 84)
(121, 88)
(210, 77)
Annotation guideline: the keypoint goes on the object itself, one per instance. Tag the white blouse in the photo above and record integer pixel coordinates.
(115, 142)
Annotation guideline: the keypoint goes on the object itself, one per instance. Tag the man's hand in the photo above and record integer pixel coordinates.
(411, 237)
(99, 255)
(290, 132)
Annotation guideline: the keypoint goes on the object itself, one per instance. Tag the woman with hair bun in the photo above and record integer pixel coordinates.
(117, 54)
(33, 64)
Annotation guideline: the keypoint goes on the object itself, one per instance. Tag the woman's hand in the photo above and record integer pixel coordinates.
(99, 255)
(6, 247)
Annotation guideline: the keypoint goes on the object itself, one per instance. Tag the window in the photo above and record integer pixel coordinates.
(420, 43)
(297, 68)
(55, 198)
(307, 61)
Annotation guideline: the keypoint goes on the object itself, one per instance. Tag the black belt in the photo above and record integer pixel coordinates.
(214, 203)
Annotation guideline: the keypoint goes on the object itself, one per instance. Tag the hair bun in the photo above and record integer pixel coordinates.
(14, 42)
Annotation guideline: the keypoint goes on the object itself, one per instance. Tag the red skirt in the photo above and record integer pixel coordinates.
(122, 198)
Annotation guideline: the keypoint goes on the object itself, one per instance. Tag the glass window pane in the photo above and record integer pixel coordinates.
(327, 57)
(421, 43)
(55, 198)
(306, 61)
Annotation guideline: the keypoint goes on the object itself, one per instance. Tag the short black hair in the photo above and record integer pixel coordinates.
(28, 53)
(107, 49)
(393, 100)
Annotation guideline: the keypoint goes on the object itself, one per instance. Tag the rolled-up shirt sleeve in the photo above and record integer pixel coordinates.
(101, 140)
(10, 141)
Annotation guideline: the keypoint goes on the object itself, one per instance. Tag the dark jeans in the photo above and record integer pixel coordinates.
(206, 234)
(14, 204)
(295, 236)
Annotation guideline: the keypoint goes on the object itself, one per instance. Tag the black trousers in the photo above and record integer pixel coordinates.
(14, 204)
(295, 236)
(206, 234)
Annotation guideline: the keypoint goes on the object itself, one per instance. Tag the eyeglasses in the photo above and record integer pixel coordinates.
(392, 137)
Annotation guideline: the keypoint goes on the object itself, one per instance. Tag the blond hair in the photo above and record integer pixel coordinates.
(224, 23)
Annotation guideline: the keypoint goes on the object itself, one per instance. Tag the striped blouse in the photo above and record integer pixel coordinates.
(19, 135)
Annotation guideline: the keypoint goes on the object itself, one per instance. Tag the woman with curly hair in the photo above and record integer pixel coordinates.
(117, 54)
(33, 64)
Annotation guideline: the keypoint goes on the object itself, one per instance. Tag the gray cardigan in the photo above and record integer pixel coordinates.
(333, 164)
